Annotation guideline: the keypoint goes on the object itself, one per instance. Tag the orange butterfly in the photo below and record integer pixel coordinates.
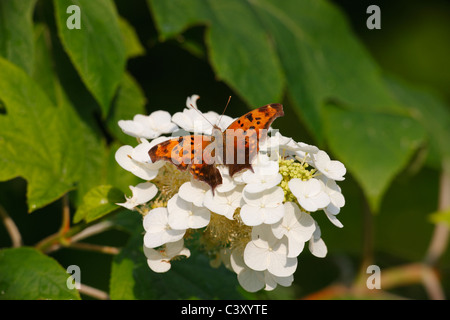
(235, 147)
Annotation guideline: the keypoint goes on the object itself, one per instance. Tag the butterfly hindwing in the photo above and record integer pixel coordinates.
(189, 152)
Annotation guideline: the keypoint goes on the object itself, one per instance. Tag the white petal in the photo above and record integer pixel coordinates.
(310, 194)
(185, 215)
(146, 171)
(318, 247)
(295, 248)
(158, 231)
(228, 183)
(194, 191)
(273, 215)
(224, 203)
(334, 220)
(177, 248)
(200, 218)
(160, 121)
(251, 280)
(155, 261)
(272, 197)
(255, 257)
(144, 192)
(192, 101)
(331, 168)
(252, 215)
(132, 128)
(272, 280)
(279, 264)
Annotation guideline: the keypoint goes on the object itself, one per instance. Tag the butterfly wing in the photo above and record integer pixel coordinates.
(241, 138)
(189, 152)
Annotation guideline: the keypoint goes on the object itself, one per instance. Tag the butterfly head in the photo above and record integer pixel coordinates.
(216, 132)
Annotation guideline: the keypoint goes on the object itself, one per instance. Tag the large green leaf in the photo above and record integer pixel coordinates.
(27, 274)
(130, 101)
(257, 46)
(131, 278)
(16, 32)
(240, 52)
(374, 146)
(38, 141)
(97, 49)
(431, 112)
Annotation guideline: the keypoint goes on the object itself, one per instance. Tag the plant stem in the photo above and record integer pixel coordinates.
(74, 234)
(94, 247)
(11, 227)
(93, 292)
(439, 240)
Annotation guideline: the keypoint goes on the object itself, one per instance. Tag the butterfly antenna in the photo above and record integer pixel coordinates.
(229, 98)
(192, 106)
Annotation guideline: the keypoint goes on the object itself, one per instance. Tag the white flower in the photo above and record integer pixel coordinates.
(194, 191)
(337, 201)
(159, 260)
(330, 168)
(142, 193)
(310, 194)
(272, 281)
(297, 226)
(286, 146)
(265, 252)
(148, 127)
(271, 202)
(263, 207)
(228, 183)
(252, 280)
(137, 161)
(157, 229)
(265, 175)
(193, 120)
(186, 215)
(224, 203)
(316, 245)
(248, 278)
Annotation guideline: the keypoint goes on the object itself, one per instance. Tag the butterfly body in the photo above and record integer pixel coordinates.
(235, 147)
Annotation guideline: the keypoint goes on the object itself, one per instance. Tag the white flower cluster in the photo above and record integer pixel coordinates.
(256, 223)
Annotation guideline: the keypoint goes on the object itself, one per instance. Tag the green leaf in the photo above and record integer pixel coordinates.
(27, 274)
(97, 49)
(440, 216)
(322, 59)
(98, 202)
(129, 102)
(16, 32)
(239, 51)
(430, 111)
(258, 46)
(38, 141)
(131, 41)
(92, 152)
(375, 147)
(131, 278)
